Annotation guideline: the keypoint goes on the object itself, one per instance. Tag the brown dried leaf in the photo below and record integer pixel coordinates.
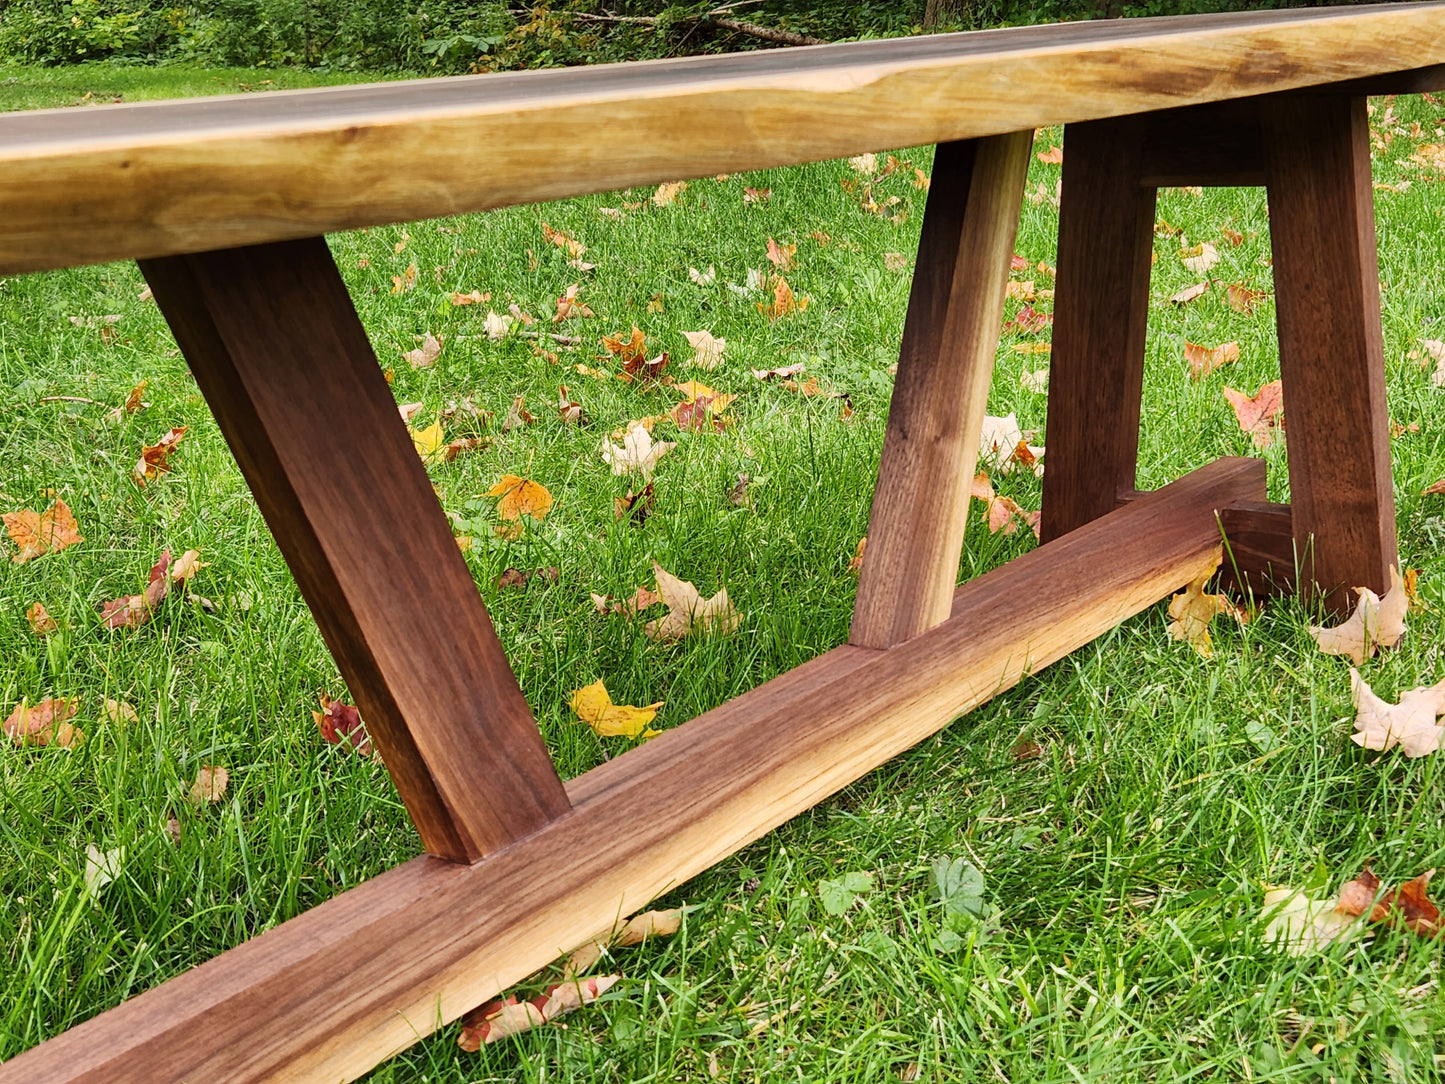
(154, 458)
(783, 257)
(45, 723)
(1375, 623)
(132, 610)
(340, 724)
(1203, 360)
(1189, 293)
(636, 507)
(210, 785)
(1242, 299)
(41, 623)
(688, 611)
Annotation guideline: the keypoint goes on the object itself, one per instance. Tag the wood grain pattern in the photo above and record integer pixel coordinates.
(289, 374)
(158, 179)
(1327, 301)
(930, 449)
(331, 993)
(1101, 305)
(1259, 556)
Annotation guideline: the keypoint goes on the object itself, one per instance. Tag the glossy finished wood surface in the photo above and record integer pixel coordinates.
(276, 347)
(930, 449)
(1331, 347)
(329, 994)
(82, 186)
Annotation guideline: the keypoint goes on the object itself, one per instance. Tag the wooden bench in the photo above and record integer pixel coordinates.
(224, 201)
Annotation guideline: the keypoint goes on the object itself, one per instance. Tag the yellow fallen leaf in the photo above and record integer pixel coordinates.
(594, 706)
(429, 441)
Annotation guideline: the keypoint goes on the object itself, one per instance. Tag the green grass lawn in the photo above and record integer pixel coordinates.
(1125, 867)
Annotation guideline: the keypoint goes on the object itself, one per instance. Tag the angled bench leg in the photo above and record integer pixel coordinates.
(276, 347)
(930, 449)
(1101, 305)
(1327, 287)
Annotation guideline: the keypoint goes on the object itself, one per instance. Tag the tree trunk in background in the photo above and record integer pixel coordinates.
(938, 11)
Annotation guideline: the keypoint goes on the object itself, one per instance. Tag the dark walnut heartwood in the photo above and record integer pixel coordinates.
(224, 202)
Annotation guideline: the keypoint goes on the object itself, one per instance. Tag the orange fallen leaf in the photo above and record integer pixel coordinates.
(641, 599)
(1234, 237)
(855, 565)
(1242, 299)
(39, 533)
(1408, 905)
(475, 297)
(210, 785)
(41, 623)
(340, 724)
(404, 282)
(565, 241)
(1203, 360)
(783, 301)
(1004, 515)
(594, 706)
(1260, 415)
(569, 307)
(132, 403)
(155, 458)
(635, 507)
(1433, 488)
(783, 257)
(132, 610)
(667, 194)
(45, 723)
(1053, 156)
(521, 497)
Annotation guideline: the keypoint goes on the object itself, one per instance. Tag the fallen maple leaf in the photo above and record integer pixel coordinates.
(569, 307)
(570, 412)
(594, 706)
(499, 1019)
(1375, 622)
(782, 256)
(636, 507)
(476, 297)
(1300, 925)
(1034, 380)
(641, 599)
(1260, 415)
(783, 300)
(187, 565)
(637, 453)
(516, 577)
(1410, 724)
(517, 415)
(998, 439)
(1242, 299)
(624, 933)
(426, 354)
(1004, 514)
(340, 724)
(1203, 360)
(400, 284)
(667, 194)
(41, 623)
(45, 723)
(154, 458)
(703, 278)
(521, 497)
(707, 350)
(132, 403)
(688, 611)
(573, 247)
(1436, 349)
(429, 441)
(1029, 321)
(1191, 611)
(210, 785)
(497, 326)
(132, 610)
(1408, 905)
(1200, 258)
(864, 163)
(783, 373)
(1053, 156)
(1189, 293)
(1433, 488)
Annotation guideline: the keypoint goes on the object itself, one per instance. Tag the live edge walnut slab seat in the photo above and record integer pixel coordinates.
(224, 202)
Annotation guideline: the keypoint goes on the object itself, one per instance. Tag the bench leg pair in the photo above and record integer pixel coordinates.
(527, 867)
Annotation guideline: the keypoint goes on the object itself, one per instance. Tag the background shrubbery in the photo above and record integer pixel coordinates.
(455, 36)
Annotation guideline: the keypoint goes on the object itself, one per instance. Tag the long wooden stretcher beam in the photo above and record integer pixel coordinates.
(329, 994)
(145, 180)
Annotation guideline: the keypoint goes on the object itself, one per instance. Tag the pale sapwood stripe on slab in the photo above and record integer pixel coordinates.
(164, 178)
(333, 992)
